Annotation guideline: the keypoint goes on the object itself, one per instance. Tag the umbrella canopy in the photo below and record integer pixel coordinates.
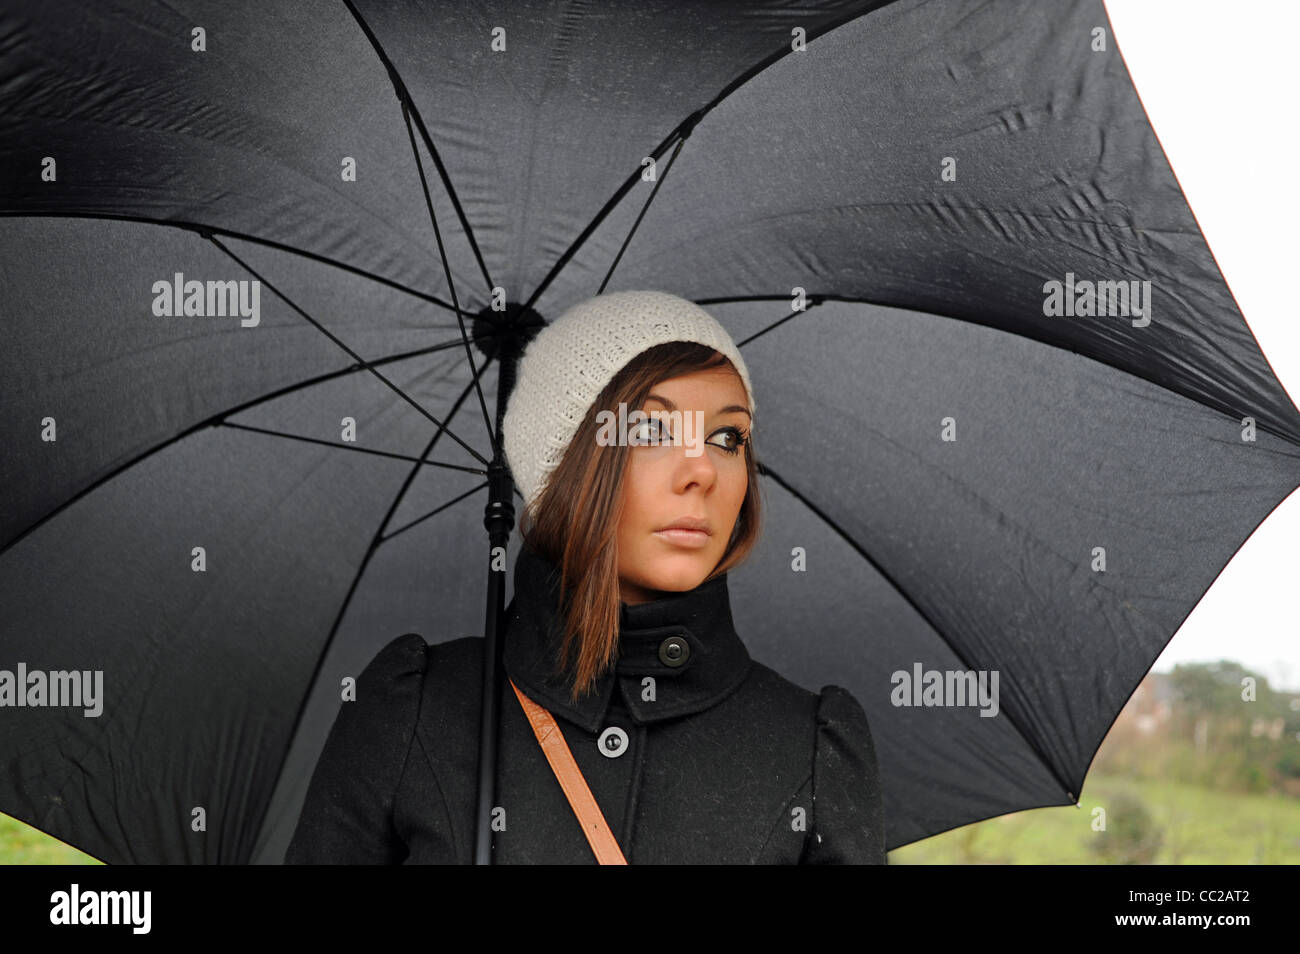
(972, 461)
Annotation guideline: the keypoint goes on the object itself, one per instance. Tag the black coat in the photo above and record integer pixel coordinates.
(724, 761)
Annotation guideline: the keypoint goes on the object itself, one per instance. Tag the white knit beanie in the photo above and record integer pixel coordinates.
(565, 367)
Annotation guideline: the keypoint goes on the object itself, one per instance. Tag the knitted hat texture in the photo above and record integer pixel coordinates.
(565, 367)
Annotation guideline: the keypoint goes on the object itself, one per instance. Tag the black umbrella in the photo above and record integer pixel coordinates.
(1013, 421)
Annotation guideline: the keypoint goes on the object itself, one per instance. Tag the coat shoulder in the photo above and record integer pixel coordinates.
(453, 693)
(404, 654)
(834, 709)
(831, 718)
(768, 687)
(456, 668)
(458, 653)
(387, 692)
(346, 812)
(773, 720)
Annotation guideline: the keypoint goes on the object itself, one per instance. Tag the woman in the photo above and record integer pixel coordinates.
(621, 629)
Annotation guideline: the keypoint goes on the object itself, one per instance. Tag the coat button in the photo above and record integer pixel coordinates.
(674, 651)
(612, 742)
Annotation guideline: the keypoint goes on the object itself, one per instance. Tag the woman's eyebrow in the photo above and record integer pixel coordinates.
(722, 410)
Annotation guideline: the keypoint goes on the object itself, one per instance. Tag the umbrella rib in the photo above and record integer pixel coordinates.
(213, 421)
(205, 231)
(775, 324)
(820, 299)
(375, 541)
(402, 529)
(861, 551)
(328, 334)
(359, 450)
(644, 208)
(455, 407)
(446, 267)
(681, 131)
(408, 102)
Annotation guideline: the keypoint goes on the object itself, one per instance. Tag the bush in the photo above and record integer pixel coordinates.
(1132, 836)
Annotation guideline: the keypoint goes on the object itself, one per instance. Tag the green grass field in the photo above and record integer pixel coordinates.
(1194, 826)
(23, 845)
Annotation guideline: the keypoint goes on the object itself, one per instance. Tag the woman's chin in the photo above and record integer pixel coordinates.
(677, 573)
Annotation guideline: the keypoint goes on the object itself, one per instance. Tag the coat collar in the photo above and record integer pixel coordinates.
(716, 664)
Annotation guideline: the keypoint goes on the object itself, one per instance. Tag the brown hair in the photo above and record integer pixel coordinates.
(574, 521)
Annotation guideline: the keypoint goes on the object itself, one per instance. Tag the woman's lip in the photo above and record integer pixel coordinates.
(684, 538)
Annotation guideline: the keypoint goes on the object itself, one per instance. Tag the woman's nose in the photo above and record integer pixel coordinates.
(694, 465)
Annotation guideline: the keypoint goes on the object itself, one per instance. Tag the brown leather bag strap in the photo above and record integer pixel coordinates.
(571, 780)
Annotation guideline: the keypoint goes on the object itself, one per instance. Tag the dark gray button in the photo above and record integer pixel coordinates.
(674, 651)
(612, 742)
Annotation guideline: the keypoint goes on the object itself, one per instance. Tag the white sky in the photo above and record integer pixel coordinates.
(1218, 82)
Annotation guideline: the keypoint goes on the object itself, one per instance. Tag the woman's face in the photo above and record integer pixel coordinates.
(666, 483)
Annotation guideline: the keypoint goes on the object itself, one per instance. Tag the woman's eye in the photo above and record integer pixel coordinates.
(737, 439)
(647, 430)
